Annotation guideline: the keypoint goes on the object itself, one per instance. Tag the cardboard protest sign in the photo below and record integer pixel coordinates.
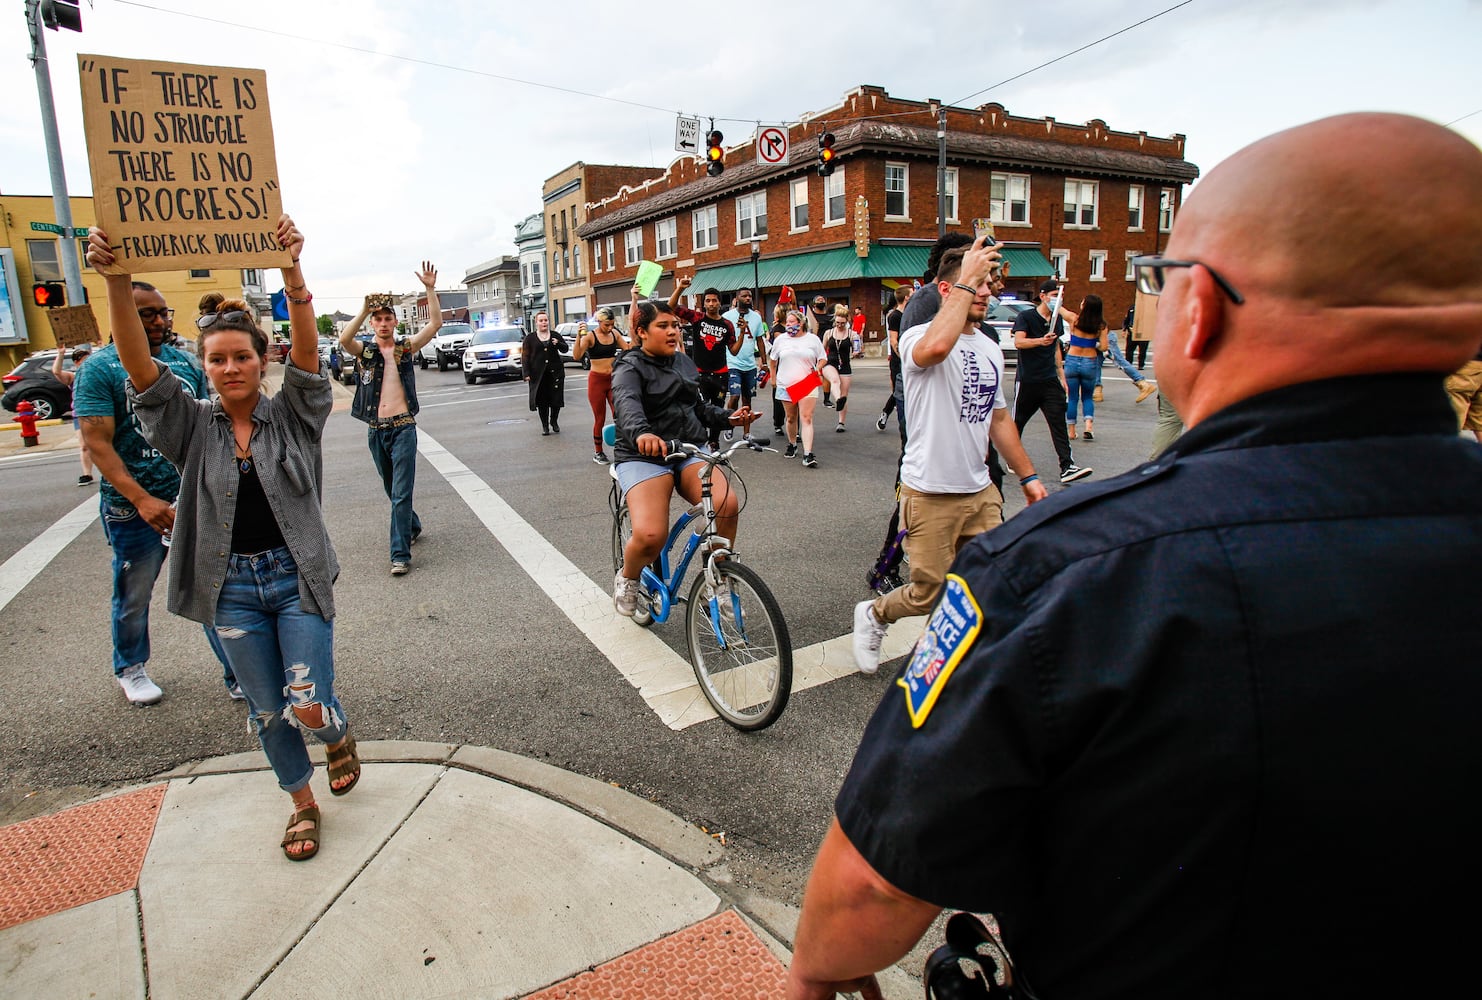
(183, 164)
(73, 325)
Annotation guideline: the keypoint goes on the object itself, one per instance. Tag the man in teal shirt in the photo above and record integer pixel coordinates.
(750, 328)
(138, 492)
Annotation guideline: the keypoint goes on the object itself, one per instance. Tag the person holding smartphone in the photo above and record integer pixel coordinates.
(1041, 376)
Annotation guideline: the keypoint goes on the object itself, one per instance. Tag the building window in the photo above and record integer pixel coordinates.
(751, 216)
(597, 257)
(666, 232)
(611, 254)
(1131, 274)
(555, 265)
(833, 198)
(1080, 204)
(252, 276)
(707, 232)
(524, 276)
(632, 246)
(576, 260)
(1098, 265)
(1165, 210)
(1134, 208)
(200, 272)
(44, 263)
(1060, 261)
(1008, 198)
(897, 198)
(566, 264)
(949, 193)
(535, 273)
(799, 194)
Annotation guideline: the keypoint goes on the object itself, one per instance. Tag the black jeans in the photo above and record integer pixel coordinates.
(713, 386)
(1047, 398)
(1137, 349)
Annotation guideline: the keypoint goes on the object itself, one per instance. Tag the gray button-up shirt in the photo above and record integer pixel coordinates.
(196, 436)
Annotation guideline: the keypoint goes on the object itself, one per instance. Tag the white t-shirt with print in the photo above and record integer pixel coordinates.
(949, 407)
(795, 356)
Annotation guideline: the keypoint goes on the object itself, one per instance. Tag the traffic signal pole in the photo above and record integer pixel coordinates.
(71, 270)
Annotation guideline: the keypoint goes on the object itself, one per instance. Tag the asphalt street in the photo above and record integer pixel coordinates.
(469, 648)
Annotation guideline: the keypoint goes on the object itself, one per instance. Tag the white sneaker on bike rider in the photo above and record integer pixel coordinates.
(624, 595)
(869, 632)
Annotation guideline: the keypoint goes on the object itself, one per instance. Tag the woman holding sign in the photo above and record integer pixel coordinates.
(796, 358)
(251, 556)
(600, 346)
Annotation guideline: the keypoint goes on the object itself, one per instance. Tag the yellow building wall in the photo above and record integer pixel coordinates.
(180, 290)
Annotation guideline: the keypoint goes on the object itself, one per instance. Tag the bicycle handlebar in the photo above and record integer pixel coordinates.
(683, 449)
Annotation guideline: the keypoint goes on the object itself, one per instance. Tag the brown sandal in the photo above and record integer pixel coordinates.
(310, 814)
(343, 761)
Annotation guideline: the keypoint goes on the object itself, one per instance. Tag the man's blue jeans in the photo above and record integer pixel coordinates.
(394, 450)
(1116, 355)
(138, 555)
(283, 657)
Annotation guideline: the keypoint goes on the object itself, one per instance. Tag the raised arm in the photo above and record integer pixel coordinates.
(303, 331)
(348, 346)
(946, 327)
(57, 371)
(680, 284)
(128, 330)
(428, 277)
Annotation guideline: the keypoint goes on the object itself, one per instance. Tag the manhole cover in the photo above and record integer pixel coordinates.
(509, 420)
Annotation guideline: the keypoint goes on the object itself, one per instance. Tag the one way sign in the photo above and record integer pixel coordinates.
(687, 135)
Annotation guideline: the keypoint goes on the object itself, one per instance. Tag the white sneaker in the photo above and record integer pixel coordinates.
(137, 686)
(624, 595)
(869, 632)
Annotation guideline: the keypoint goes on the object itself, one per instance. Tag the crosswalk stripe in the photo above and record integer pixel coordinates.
(23, 567)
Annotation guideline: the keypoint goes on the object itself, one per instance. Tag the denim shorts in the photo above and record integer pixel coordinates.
(630, 474)
(743, 382)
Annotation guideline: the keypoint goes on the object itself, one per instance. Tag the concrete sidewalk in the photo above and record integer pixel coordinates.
(448, 872)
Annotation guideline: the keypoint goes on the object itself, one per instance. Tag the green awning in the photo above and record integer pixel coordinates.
(1027, 263)
(821, 267)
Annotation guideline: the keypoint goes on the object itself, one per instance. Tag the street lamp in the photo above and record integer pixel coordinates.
(756, 281)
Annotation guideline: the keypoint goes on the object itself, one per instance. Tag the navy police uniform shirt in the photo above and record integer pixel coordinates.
(1212, 727)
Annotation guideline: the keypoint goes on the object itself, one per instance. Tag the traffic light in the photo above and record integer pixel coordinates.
(49, 294)
(826, 154)
(714, 154)
(61, 14)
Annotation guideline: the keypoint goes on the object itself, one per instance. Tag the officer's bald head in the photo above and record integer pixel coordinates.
(1357, 243)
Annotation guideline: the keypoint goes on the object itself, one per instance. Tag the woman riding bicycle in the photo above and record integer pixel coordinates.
(656, 399)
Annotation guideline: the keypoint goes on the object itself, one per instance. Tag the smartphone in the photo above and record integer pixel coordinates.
(984, 227)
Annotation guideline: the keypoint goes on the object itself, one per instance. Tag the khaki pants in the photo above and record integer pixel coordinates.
(937, 525)
(1465, 388)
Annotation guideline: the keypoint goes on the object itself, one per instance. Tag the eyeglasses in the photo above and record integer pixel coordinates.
(1150, 267)
(208, 320)
(149, 314)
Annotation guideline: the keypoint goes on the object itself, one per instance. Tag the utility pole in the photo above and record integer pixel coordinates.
(71, 271)
(941, 167)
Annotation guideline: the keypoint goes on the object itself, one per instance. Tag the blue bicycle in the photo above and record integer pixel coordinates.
(738, 641)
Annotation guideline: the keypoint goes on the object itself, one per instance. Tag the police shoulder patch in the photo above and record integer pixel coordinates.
(950, 631)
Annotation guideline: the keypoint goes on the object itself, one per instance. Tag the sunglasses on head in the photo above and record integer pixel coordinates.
(209, 320)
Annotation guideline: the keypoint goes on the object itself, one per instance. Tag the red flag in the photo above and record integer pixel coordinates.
(804, 385)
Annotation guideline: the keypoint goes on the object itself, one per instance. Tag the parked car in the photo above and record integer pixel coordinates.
(33, 381)
(494, 353)
(568, 332)
(326, 345)
(1001, 318)
(445, 349)
(345, 365)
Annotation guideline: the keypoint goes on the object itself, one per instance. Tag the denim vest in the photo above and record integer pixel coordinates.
(370, 368)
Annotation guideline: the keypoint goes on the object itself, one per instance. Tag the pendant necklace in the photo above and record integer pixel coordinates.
(244, 457)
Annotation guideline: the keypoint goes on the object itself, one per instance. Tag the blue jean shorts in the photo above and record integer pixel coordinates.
(630, 474)
(743, 383)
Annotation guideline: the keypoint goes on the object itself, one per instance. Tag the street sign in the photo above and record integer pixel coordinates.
(80, 232)
(771, 145)
(687, 135)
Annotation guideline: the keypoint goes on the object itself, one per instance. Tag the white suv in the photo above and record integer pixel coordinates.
(494, 353)
(445, 349)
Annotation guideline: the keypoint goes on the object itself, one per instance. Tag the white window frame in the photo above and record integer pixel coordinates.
(1131, 271)
(611, 255)
(1060, 263)
(951, 199)
(576, 256)
(596, 256)
(833, 180)
(904, 215)
(1001, 210)
(1082, 187)
(752, 202)
(798, 184)
(536, 281)
(632, 246)
(673, 238)
(1165, 210)
(705, 221)
(1098, 265)
(1136, 193)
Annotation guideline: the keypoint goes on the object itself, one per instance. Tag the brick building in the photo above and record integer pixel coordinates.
(565, 197)
(1074, 200)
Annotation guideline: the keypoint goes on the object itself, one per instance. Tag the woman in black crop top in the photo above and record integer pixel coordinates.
(599, 346)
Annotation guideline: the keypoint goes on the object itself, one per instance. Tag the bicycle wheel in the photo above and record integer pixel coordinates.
(746, 670)
(622, 529)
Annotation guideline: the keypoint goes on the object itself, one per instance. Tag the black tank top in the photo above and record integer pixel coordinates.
(599, 350)
(254, 529)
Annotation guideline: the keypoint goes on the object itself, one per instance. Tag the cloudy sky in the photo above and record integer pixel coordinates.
(409, 130)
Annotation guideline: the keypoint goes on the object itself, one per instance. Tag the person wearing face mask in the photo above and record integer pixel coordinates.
(790, 358)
